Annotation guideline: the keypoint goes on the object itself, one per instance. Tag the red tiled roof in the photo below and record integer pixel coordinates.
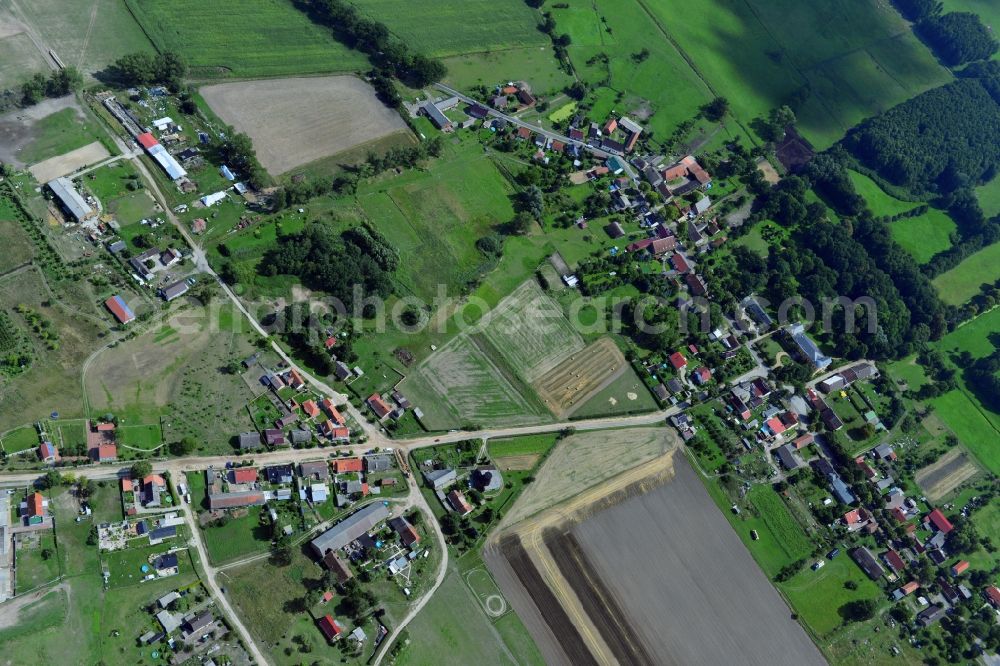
(677, 360)
(342, 465)
(329, 627)
(244, 475)
(310, 408)
(155, 479)
(107, 452)
(852, 517)
(126, 485)
(146, 140)
(36, 506)
(938, 520)
(331, 342)
(294, 378)
(331, 409)
(911, 587)
(898, 514)
(378, 405)
(959, 567)
(679, 263)
(803, 440)
(993, 594)
(459, 502)
(776, 426)
(894, 560)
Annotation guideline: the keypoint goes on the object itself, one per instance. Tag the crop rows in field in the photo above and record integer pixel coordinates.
(451, 27)
(225, 37)
(531, 331)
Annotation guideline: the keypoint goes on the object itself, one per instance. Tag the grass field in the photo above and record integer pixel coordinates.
(879, 201)
(989, 197)
(454, 624)
(20, 439)
(178, 377)
(18, 248)
(534, 64)
(925, 235)
(33, 569)
(662, 84)
(58, 133)
(238, 538)
(962, 282)
(816, 595)
(222, 38)
(857, 58)
(521, 446)
(453, 27)
(434, 218)
(88, 34)
(21, 59)
(625, 395)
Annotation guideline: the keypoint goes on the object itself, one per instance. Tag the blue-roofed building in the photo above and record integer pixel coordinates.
(140, 527)
(615, 165)
(807, 348)
(756, 312)
(841, 490)
(168, 561)
(162, 533)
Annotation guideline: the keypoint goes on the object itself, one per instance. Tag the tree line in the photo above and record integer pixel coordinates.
(146, 69)
(957, 37)
(389, 55)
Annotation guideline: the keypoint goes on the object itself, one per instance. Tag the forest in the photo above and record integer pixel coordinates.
(358, 259)
(935, 141)
(957, 38)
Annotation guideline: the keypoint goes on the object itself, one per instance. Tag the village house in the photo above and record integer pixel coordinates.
(378, 406)
(48, 453)
(407, 533)
(458, 502)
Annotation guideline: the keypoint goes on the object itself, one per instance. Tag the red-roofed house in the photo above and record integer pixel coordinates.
(337, 433)
(330, 343)
(894, 561)
(679, 263)
(523, 133)
(610, 126)
(344, 465)
(104, 453)
(295, 379)
(939, 522)
(120, 309)
(677, 360)
(702, 375)
(459, 503)
(959, 567)
(36, 505)
(866, 469)
(852, 517)
(244, 475)
(993, 596)
(775, 425)
(899, 514)
(329, 627)
(377, 405)
(126, 485)
(310, 408)
(326, 598)
(48, 452)
(803, 441)
(327, 405)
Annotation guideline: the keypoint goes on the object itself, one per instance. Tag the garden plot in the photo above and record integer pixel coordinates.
(571, 383)
(296, 121)
(944, 475)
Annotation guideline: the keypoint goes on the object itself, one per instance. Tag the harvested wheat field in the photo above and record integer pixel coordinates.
(517, 463)
(944, 475)
(296, 121)
(644, 569)
(571, 383)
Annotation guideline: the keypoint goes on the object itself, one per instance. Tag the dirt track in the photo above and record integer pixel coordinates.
(296, 121)
(67, 163)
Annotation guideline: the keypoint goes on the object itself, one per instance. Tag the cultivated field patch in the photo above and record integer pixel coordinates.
(532, 333)
(944, 475)
(296, 121)
(677, 615)
(584, 460)
(450, 27)
(461, 384)
(87, 34)
(225, 38)
(517, 463)
(570, 384)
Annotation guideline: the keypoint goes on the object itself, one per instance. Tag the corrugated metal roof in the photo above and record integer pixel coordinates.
(77, 206)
